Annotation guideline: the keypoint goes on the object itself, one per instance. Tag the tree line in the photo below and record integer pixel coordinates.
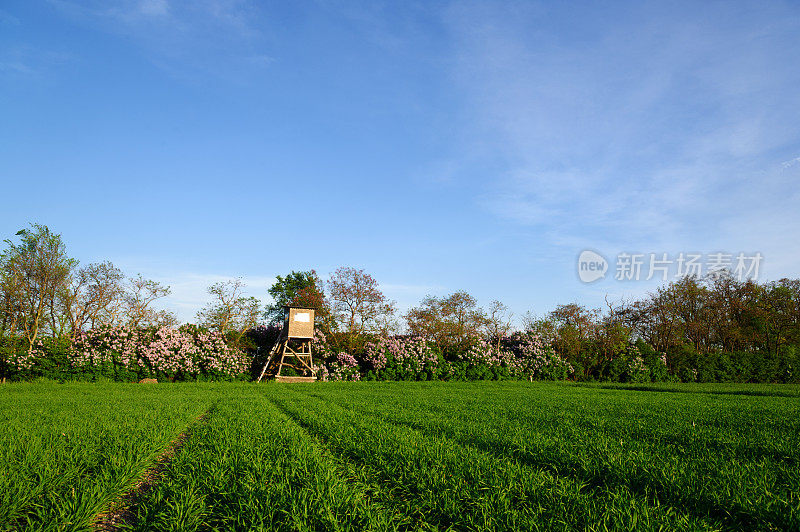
(729, 328)
(711, 328)
(46, 293)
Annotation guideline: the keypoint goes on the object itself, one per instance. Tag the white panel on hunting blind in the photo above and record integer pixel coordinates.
(299, 322)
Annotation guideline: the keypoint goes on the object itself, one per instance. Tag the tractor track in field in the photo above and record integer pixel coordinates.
(733, 515)
(376, 485)
(121, 512)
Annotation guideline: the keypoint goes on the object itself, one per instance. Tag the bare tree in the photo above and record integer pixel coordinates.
(11, 299)
(229, 310)
(545, 328)
(498, 321)
(139, 294)
(358, 301)
(94, 297)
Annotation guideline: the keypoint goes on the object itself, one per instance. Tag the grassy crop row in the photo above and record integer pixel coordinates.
(68, 451)
(405, 456)
(717, 458)
(252, 468)
(465, 487)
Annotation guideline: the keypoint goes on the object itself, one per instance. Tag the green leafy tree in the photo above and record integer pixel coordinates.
(36, 270)
(576, 328)
(303, 289)
(453, 322)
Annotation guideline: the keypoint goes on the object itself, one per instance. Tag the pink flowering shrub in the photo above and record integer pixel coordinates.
(534, 359)
(635, 369)
(480, 361)
(519, 356)
(482, 353)
(49, 357)
(320, 346)
(23, 360)
(343, 368)
(188, 353)
(401, 358)
(321, 370)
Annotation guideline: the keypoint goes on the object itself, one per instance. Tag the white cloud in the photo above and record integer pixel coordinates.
(8, 19)
(659, 132)
(154, 7)
(15, 67)
(187, 39)
(189, 290)
(790, 162)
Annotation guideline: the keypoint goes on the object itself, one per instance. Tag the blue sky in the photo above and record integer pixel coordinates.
(440, 146)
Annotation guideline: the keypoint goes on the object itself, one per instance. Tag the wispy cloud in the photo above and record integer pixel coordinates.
(208, 37)
(790, 162)
(154, 7)
(665, 129)
(7, 19)
(28, 62)
(190, 290)
(15, 66)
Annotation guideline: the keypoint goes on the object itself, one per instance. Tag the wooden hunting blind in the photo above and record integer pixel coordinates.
(299, 322)
(292, 349)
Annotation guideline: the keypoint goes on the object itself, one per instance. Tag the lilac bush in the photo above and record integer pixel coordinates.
(401, 358)
(23, 361)
(483, 353)
(636, 370)
(343, 368)
(174, 354)
(518, 356)
(533, 358)
(192, 353)
(321, 371)
(320, 346)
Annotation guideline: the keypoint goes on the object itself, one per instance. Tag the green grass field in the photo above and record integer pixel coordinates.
(402, 456)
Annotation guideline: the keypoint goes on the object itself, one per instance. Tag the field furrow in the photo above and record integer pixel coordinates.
(251, 468)
(466, 488)
(399, 456)
(731, 487)
(68, 452)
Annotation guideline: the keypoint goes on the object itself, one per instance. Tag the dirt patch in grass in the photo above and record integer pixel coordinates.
(121, 514)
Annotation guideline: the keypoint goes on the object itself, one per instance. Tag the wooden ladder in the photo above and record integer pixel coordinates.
(271, 356)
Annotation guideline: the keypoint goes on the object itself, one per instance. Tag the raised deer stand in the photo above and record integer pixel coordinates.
(293, 348)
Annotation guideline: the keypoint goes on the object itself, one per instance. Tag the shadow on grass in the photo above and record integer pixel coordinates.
(672, 389)
(598, 477)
